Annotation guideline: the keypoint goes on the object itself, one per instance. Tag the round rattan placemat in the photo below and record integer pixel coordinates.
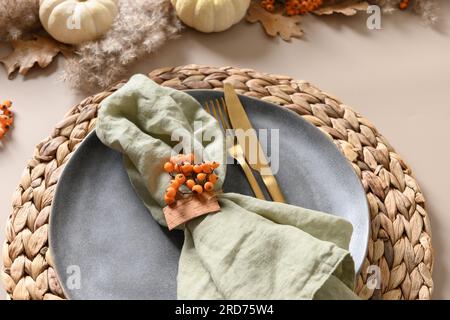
(400, 258)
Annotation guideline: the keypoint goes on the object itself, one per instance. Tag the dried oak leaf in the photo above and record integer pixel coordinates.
(26, 53)
(348, 8)
(275, 23)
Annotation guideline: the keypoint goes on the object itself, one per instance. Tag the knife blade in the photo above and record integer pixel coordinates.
(249, 142)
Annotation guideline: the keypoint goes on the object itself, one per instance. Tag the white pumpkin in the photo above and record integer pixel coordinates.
(77, 21)
(211, 15)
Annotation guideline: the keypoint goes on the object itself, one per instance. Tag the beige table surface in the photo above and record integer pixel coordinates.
(398, 77)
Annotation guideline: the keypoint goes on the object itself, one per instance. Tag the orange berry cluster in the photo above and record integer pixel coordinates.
(269, 5)
(403, 4)
(6, 117)
(196, 177)
(296, 7)
(293, 7)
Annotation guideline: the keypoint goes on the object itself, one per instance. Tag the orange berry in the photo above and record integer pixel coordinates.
(198, 168)
(190, 183)
(190, 157)
(171, 192)
(178, 159)
(404, 5)
(7, 103)
(209, 186)
(212, 178)
(168, 167)
(215, 165)
(201, 177)
(182, 158)
(174, 184)
(197, 189)
(186, 168)
(206, 167)
(180, 178)
(168, 199)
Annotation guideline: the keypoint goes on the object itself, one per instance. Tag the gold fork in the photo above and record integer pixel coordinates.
(218, 109)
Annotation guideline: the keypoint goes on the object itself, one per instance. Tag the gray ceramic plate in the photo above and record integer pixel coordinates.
(107, 246)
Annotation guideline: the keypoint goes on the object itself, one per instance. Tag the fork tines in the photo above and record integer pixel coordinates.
(218, 109)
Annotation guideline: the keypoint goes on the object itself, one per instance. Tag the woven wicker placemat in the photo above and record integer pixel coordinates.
(399, 262)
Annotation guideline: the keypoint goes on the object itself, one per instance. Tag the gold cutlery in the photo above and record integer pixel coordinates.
(239, 120)
(218, 110)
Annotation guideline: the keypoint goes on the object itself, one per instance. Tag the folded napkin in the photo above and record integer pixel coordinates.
(250, 249)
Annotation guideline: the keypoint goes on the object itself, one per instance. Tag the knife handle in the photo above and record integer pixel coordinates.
(251, 179)
(273, 187)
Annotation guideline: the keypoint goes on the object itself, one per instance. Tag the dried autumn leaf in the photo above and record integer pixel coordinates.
(348, 8)
(275, 23)
(26, 53)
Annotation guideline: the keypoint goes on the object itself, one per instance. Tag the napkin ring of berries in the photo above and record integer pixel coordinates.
(190, 192)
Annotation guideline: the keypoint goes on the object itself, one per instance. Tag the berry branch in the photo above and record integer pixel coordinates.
(192, 177)
(6, 118)
(301, 7)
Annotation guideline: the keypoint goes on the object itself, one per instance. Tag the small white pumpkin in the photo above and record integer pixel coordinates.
(211, 15)
(77, 21)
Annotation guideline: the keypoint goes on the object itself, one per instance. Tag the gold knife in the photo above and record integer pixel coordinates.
(239, 120)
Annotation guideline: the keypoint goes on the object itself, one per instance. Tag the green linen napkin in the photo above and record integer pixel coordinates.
(251, 249)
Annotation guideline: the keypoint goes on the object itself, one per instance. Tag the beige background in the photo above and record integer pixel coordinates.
(398, 77)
